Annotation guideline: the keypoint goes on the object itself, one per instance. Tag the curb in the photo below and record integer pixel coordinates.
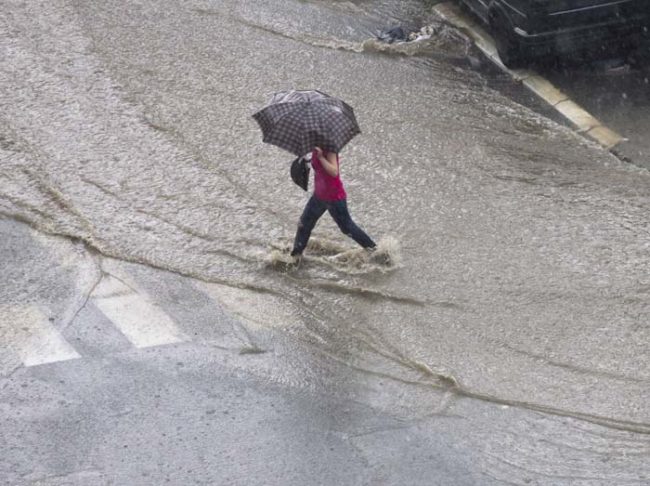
(582, 120)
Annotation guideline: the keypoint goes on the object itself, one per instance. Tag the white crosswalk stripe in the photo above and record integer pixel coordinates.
(28, 333)
(34, 338)
(143, 323)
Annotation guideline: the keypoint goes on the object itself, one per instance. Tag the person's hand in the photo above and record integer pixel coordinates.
(319, 151)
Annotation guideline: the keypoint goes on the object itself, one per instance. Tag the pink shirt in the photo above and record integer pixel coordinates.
(326, 187)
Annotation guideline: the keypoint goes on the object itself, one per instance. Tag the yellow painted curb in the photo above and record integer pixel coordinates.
(545, 90)
(606, 137)
(582, 120)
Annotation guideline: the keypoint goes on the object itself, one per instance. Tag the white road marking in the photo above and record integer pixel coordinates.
(35, 339)
(143, 324)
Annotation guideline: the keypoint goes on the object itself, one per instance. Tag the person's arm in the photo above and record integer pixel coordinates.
(328, 163)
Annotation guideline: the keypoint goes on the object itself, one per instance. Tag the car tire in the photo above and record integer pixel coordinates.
(508, 47)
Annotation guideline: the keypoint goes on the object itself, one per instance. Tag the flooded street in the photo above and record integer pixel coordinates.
(521, 276)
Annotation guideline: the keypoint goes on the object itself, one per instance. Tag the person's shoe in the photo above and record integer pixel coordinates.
(297, 259)
(378, 257)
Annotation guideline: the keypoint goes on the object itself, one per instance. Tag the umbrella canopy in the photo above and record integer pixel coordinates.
(298, 121)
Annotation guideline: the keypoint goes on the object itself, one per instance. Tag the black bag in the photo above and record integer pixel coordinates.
(300, 172)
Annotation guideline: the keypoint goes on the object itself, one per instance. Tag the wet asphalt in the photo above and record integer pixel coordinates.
(213, 395)
(228, 407)
(613, 87)
(616, 91)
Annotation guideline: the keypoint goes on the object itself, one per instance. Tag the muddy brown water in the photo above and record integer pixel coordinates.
(521, 271)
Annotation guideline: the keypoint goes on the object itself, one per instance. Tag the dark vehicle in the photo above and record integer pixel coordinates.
(529, 29)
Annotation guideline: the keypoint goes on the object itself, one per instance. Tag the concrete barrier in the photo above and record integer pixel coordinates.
(581, 120)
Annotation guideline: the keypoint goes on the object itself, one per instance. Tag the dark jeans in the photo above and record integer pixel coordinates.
(314, 209)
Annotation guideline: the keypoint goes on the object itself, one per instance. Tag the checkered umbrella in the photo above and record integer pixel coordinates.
(298, 121)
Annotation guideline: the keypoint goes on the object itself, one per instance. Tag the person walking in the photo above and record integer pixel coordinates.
(329, 195)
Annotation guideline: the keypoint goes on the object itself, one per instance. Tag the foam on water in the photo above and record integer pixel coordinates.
(435, 39)
(385, 258)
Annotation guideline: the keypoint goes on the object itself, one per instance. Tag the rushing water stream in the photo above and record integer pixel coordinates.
(522, 275)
